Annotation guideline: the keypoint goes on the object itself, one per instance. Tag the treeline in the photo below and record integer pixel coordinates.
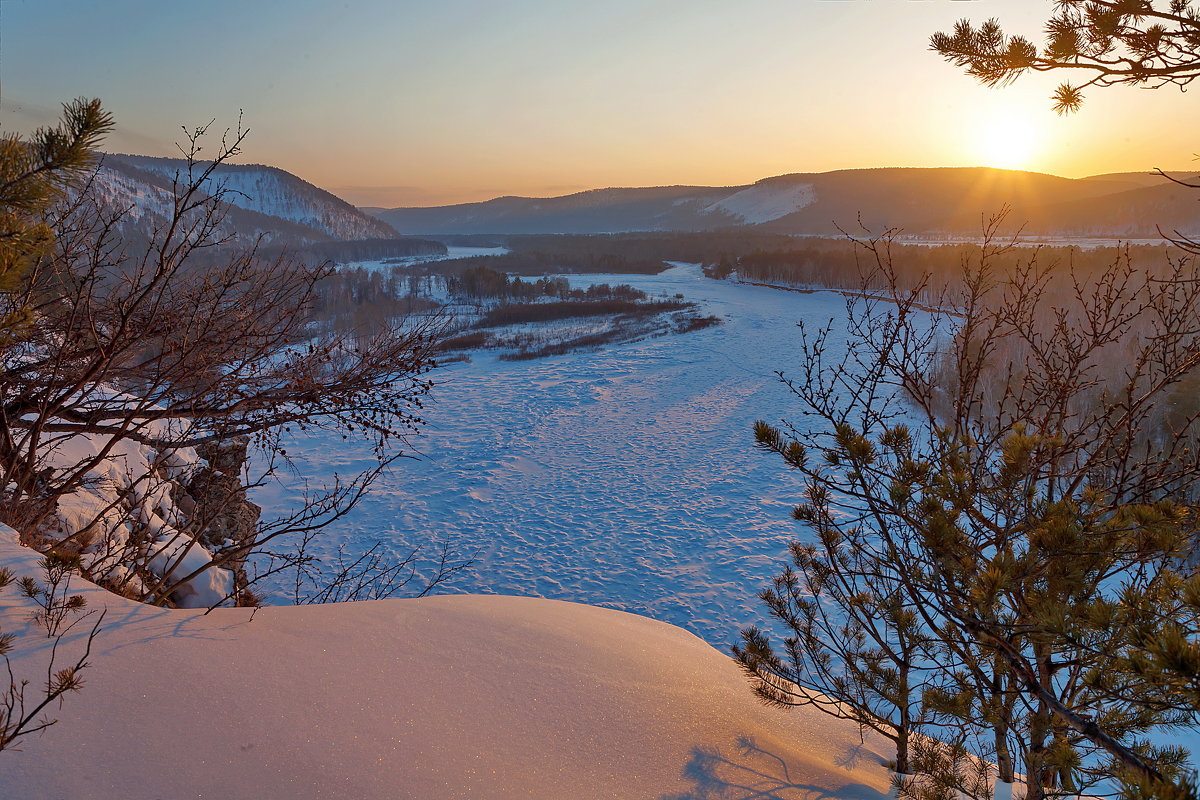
(540, 263)
(478, 283)
(360, 299)
(698, 248)
(822, 262)
(640, 253)
(839, 264)
(286, 247)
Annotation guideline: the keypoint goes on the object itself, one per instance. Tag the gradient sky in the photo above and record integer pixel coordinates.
(388, 102)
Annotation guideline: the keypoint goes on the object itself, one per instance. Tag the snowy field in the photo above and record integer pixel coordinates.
(624, 478)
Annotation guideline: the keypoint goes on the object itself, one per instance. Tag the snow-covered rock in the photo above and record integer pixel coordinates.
(125, 516)
(131, 491)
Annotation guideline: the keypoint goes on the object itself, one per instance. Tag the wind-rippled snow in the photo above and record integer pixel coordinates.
(624, 477)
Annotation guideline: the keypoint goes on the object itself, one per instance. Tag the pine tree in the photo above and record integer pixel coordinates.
(855, 648)
(1034, 518)
(34, 175)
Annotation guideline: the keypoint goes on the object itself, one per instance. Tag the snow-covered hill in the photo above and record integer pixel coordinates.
(431, 699)
(273, 192)
(146, 199)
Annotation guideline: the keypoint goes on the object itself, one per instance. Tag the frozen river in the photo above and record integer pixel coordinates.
(624, 477)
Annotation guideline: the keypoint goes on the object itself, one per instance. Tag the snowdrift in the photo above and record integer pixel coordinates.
(442, 697)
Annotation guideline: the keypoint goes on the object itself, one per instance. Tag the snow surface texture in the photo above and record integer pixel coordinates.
(444, 697)
(624, 477)
(764, 202)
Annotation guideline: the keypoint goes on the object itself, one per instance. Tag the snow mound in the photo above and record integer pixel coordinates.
(442, 697)
(765, 202)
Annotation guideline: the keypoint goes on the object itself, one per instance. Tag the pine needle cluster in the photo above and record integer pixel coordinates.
(1107, 42)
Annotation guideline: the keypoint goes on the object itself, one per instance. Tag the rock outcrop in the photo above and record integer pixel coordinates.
(220, 515)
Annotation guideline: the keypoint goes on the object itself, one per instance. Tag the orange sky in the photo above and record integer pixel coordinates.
(415, 103)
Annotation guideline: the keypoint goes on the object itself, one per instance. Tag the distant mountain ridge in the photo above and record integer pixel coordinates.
(265, 207)
(933, 201)
(270, 191)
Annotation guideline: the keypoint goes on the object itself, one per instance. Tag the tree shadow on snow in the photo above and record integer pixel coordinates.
(149, 624)
(758, 774)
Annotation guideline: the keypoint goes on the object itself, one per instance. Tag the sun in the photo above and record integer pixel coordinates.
(1008, 141)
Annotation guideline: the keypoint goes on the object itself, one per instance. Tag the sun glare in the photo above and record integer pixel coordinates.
(1008, 141)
